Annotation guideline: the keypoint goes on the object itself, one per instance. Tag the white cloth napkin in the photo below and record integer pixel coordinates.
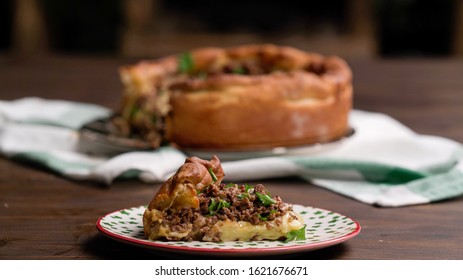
(384, 163)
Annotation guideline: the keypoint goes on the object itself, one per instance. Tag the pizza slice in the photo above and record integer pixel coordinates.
(194, 204)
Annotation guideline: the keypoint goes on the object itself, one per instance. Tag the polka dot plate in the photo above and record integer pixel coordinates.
(323, 228)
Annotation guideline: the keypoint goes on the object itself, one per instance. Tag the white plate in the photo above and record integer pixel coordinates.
(228, 155)
(324, 228)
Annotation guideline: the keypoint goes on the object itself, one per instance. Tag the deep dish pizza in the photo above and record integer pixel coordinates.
(241, 98)
(194, 204)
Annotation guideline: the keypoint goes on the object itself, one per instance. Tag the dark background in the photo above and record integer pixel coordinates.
(395, 28)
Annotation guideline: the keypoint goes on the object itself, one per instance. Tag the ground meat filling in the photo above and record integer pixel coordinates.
(234, 202)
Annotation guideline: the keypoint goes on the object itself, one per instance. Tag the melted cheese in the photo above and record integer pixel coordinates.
(245, 231)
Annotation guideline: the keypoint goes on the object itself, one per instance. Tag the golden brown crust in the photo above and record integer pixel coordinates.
(180, 190)
(289, 97)
(306, 103)
(178, 200)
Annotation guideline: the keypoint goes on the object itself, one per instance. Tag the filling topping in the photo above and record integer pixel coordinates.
(233, 202)
(259, 64)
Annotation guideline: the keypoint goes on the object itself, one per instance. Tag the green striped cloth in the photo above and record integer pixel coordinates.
(384, 163)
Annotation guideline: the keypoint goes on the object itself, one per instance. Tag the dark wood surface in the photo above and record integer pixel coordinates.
(45, 216)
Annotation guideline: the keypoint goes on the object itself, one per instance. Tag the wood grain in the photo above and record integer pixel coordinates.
(45, 216)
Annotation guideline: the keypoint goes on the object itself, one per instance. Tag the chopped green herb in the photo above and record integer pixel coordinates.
(202, 190)
(215, 206)
(135, 109)
(265, 199)
(214, 178)
(263, 217)
(185, 63)
(248, 187)
(294, 235)
(230, 185)
(239, 70)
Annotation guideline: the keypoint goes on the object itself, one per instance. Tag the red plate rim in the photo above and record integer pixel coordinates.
(186, 249)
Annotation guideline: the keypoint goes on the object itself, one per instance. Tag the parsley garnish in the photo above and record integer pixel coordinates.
(229, 185)
(248, 187)
(134, 110)
(264, 217)
(185, 63)
(214, 178)
(202, 190)
(239, 70)
(215, 206)
(294, 235)
(265, 199)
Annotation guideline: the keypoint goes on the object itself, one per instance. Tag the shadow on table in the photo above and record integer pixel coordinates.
(102, 247)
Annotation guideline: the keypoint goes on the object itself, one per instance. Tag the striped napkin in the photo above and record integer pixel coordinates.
(384, 163)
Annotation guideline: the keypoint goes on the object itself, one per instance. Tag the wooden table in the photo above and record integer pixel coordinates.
(45, 216)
